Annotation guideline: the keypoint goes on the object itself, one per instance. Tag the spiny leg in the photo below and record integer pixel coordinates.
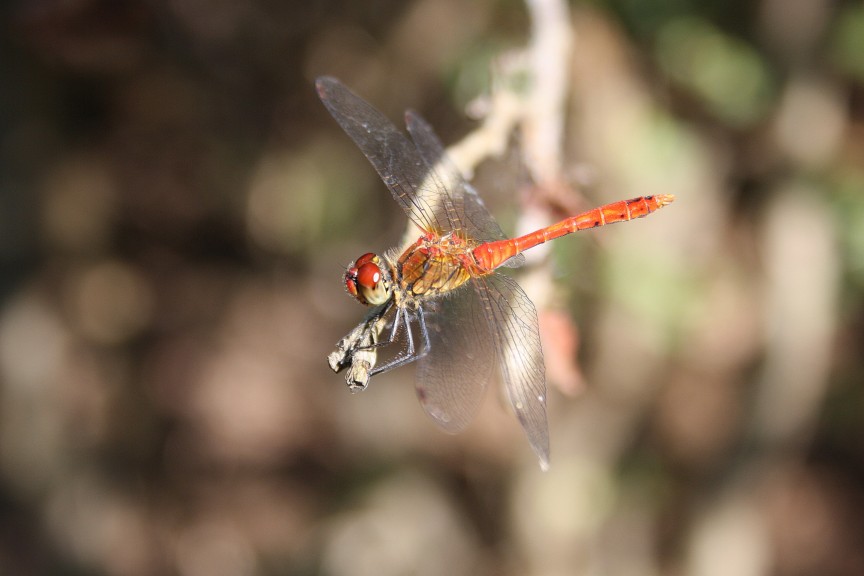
(410, 354)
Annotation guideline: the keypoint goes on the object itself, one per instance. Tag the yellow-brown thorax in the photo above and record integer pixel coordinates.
(433, 266)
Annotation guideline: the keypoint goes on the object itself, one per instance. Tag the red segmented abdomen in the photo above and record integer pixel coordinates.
(492, 254)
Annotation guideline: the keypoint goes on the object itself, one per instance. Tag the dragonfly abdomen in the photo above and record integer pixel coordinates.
(492, 254)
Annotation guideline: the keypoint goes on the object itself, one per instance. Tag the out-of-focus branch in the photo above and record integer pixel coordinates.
(538, 111)
(503, 112)
(549, 57)
(529, 93)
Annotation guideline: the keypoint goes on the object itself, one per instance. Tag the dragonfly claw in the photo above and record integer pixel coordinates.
(357, 351)
(359, 364)
(358, 375)
(338, 360)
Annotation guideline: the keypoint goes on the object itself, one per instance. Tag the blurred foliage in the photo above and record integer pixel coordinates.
(727, 74)
(848, 41)
(176, 208)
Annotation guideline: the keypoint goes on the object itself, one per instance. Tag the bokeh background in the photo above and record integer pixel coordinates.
(176, 208)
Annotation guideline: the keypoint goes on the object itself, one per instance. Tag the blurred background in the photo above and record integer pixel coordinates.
(176, 211)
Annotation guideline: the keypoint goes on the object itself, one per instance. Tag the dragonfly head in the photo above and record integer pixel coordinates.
(367, 282)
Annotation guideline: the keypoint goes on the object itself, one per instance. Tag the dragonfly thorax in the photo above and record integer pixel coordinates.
(367, 281)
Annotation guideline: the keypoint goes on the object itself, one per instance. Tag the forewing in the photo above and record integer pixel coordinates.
(516, 337)
(452, 377)
(477, 222)
(404, 171)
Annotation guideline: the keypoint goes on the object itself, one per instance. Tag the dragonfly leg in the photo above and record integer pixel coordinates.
(394, 332)
(424, 332)
(410, 354)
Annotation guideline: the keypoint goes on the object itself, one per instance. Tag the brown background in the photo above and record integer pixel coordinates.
(176, 208)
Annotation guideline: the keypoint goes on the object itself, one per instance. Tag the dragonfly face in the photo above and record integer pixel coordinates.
(367, 282)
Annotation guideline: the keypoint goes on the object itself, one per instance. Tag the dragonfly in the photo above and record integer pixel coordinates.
(442, 301)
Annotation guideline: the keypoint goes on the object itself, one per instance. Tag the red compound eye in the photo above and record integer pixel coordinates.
(368, 275)
(368, 257)
(351, 281)
(364, 280)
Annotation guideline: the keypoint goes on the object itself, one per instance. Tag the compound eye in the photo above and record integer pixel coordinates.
(366, 282)
(368, 275)
(351, 282)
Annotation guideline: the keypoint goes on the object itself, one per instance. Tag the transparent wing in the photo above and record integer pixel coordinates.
(452, 377)
(516, 337)
(477, 222)
(415, 186)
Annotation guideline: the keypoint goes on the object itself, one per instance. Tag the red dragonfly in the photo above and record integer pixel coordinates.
(440, 301)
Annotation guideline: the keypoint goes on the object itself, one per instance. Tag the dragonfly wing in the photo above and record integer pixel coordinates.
(516, 338)
(452, 377)
(415, 186)
(477, 222)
